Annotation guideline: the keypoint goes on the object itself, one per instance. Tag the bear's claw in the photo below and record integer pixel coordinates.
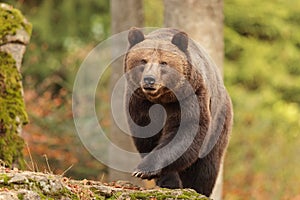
(137, 174)
(145, 175)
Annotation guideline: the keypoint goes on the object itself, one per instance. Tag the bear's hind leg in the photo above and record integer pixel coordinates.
(201, 176)
(170, 180)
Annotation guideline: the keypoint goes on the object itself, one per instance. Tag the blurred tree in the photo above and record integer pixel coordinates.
(203, 21)
(124, 15)
(60, 29)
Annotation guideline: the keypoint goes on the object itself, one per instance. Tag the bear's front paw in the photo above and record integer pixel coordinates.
(145, 174)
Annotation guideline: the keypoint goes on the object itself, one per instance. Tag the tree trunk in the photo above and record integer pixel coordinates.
(124, 15)
(203, 21)
(15, 32)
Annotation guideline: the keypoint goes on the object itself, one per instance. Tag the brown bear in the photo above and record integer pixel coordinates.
(190, 135)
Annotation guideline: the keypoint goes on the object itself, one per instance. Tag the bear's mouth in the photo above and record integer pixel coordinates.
(149, 88)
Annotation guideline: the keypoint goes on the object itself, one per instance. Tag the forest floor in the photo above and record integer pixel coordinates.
(26, 185)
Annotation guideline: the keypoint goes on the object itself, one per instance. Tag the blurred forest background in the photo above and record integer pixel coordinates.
(261, 72)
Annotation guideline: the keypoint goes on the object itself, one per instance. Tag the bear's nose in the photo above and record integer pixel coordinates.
(149, 80)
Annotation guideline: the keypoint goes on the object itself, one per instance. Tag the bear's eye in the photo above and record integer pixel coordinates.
(163, 63)
(143, 61)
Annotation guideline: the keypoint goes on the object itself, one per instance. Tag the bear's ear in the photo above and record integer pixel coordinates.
(135, 36)
(181, 40)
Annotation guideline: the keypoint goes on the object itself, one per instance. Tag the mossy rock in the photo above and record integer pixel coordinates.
(36, 185)
(11, 22)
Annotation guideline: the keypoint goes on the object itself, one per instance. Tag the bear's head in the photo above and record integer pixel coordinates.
(158, 66)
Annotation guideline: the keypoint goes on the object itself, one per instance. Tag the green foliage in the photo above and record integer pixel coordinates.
(262, 75)
(12, 112)
(60, 29)
(153, 11)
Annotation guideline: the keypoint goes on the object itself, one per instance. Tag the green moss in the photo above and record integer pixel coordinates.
(161, 194)
(4, 179)
(20, 196)
(11, 20)
(12, 111)
(66, 193)
(42, 196)
(35, 186)
(114, 196)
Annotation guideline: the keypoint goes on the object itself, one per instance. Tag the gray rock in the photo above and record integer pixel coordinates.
(8, 196)
(18, 178)
(29, 195)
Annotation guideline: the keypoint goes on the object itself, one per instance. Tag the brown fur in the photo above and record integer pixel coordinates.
(169, 57)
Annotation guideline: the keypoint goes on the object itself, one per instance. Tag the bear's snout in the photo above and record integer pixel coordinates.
(149, 80)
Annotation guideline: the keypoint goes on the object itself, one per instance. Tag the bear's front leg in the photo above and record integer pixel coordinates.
(153, 163)
(176, 151)
(149, 168)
